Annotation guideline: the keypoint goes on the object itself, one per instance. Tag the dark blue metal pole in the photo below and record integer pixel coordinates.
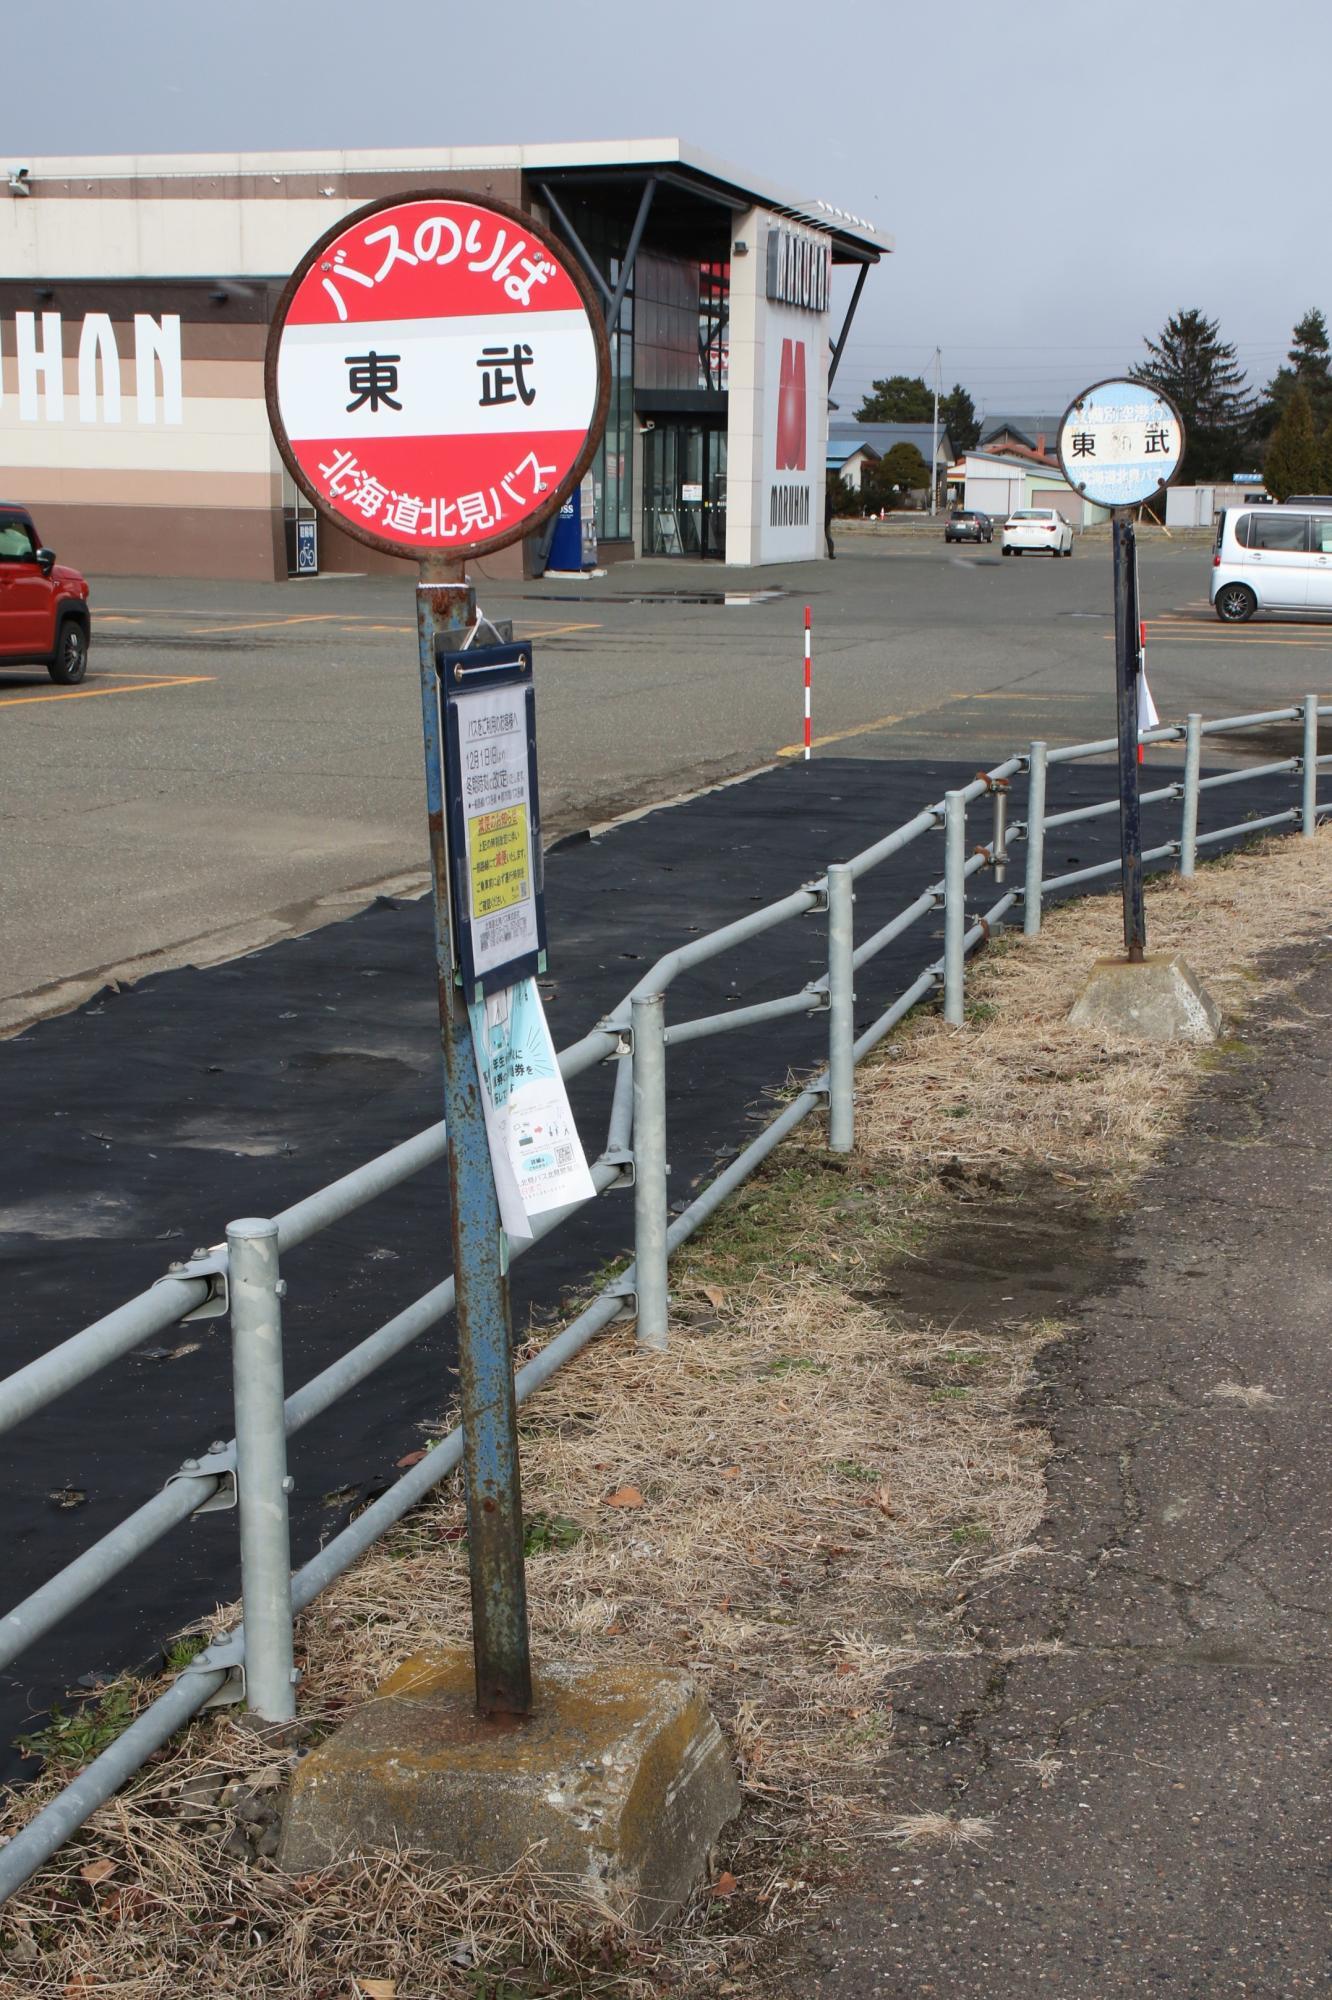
(446, 607)
(1128, 665)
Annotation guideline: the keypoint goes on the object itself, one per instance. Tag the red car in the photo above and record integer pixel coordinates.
(44, 618)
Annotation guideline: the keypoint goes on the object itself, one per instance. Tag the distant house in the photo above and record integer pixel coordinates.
(999, 482)
(881, 438)
(849, 457)
(1038, 434)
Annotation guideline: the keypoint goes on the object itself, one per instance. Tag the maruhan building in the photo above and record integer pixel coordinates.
(136, 295)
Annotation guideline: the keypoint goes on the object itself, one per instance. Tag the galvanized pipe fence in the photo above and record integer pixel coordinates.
(242, 1277)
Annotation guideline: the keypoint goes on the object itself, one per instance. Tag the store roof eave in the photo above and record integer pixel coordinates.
(853, 235)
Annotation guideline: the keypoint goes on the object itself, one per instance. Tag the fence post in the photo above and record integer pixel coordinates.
(1309, 808)
(955, 918)
(999, 845)
(1188, 833)
(841, 1008)
(649, 1032)
(1031, 895)
(261, 1467)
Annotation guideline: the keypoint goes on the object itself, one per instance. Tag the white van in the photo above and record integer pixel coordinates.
(1272, 559)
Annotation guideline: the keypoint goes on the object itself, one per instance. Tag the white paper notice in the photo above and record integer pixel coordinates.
(497, 826)
(535, 1150)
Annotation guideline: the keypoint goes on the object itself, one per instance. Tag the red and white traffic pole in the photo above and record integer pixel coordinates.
(809, 740)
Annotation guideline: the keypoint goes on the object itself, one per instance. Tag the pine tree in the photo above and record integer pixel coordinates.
(1310, 365)
(1325, 481)
(1294, 462)
(957, 416)
(897, 399)
(1198, 371)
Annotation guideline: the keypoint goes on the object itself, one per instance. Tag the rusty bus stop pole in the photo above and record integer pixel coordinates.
(1128, 666)
(446, 608)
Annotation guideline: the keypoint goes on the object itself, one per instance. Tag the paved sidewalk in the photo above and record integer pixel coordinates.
(1148, 1724)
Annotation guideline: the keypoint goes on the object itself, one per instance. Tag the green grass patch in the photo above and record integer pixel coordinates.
(543, 1533)
(75, 1736)
(180, 1652)
(1228, 1049)
(864, 1475)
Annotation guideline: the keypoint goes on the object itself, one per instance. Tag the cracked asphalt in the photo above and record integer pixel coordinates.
(1146, 1721)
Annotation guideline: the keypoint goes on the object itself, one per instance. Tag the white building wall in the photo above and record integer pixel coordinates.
(990, 495)
(774, 512)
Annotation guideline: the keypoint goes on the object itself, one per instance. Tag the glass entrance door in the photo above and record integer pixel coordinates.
(714, 486)
(684, 489)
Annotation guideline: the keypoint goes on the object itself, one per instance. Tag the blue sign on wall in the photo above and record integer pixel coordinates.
(307, 548)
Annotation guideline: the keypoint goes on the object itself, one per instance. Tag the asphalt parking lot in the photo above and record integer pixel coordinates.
(244, 759)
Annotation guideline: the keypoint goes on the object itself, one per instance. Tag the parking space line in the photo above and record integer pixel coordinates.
(267, 624)
(89, 694)
(1232, 639)
(869, 728)
(352, 623)
(550, 631)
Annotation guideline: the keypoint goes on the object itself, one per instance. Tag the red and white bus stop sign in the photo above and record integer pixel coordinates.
(437, 374)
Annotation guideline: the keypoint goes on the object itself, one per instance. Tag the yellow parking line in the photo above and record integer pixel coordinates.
(266, 624)
(550, 631)
(1231, 638)
(869, 728)
(88, 694)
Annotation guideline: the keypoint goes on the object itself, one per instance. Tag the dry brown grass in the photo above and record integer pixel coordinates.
(935, 1829)
(820, 1479)
(1251, 1395)
(1022, 1085)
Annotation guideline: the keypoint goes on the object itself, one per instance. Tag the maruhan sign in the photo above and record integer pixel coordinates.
(148, 376)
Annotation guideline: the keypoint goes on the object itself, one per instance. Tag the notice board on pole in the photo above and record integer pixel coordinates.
(496, 884)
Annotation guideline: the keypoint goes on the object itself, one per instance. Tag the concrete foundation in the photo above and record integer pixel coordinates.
(618, 1783)
(1162, 1000)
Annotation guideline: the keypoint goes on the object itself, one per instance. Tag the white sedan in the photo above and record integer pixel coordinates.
(1037, 528)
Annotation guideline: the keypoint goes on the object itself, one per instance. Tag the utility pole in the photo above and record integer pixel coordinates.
(934, 448)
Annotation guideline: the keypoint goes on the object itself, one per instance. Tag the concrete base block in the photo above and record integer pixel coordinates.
(618, 1783)
(1162, 1000)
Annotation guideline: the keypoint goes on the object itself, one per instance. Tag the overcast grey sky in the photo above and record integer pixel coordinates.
(1059, 176)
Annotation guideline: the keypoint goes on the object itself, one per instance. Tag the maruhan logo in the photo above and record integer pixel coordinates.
(39, 352)
(792, 412)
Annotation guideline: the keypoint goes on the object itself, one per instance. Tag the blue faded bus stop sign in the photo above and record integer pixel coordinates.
(1120, 443)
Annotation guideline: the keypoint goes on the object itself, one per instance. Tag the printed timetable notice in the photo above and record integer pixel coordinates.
(497, 825)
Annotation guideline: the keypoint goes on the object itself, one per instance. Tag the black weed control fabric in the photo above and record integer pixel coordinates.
(136, 1128)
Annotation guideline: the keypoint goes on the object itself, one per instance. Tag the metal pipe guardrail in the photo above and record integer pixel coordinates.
(241, 1277)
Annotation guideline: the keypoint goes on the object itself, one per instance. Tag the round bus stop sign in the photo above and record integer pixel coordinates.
(437, 374)
(1120, 443)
